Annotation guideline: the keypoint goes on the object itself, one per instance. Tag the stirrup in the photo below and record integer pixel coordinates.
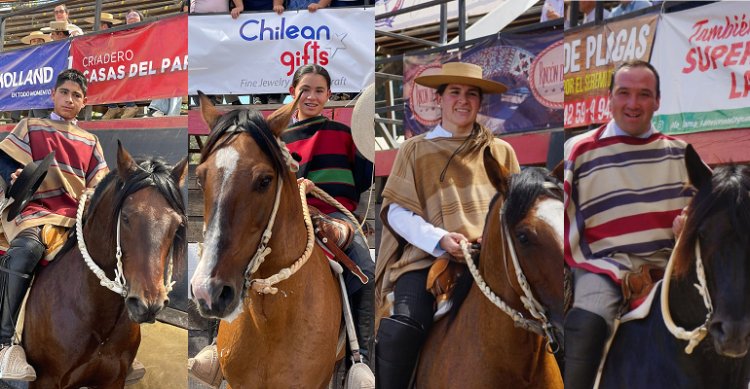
(359, 377)
(13, 365)
(205, 366)
(136, 371)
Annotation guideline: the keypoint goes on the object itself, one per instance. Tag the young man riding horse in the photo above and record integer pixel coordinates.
(79, 164)
(437, 195)
(625, 185)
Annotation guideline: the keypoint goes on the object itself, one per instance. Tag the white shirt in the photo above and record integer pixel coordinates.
(555, 5)
(57, 117)
(591, 16)
(614, 130)
(412, 227)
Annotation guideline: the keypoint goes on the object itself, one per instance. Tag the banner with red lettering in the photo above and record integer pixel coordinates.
(259, 52)
(143, 63)
(703, 58)
(591, 55)
(530, 65)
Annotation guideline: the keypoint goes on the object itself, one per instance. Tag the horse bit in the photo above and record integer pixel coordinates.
(118, 285)
(542, 325)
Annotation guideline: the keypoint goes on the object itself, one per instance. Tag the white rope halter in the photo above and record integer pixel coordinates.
(542, 325)
(118, 285)
(695, 336)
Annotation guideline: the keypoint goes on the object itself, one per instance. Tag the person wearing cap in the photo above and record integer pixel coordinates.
(339, 160)
(58, 30)
(81, 166)
(61, 15)
(626, 186)
(106, 21)
(35, 38)
(436, 196)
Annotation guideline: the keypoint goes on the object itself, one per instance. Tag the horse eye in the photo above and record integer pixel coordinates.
(125, 219)
(522, 238)
(264, 182)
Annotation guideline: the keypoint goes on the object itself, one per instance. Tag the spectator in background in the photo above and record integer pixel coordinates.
(551, 10)
(217, 6)
(106, 21)
(628, 6)
(58, 30)
(310, 5)
(35, 38)
(349, 3)
(130, 110)
(588, 9)
(61, 15)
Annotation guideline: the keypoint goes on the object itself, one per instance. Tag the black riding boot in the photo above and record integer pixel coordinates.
(398, 343)
(363, 302)
(16, 270)
(585, 338)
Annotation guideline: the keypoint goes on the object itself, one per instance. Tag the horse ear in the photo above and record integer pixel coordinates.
(125, 163)
(496, 172)
(278, 121)
(179, 171)
(698, 171)
(208, 111)
(559, 171)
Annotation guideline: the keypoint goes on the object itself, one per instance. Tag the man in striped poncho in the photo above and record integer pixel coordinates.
(79, 164)
(625, 184)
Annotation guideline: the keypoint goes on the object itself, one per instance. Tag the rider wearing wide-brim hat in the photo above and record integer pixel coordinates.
(104, 19)
(35, 38)
(436, 196)
(59, 30)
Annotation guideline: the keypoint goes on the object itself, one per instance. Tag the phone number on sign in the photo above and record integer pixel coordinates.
(593, 109)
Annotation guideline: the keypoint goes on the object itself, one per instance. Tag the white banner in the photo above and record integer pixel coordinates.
(259, 52)
(703, 58)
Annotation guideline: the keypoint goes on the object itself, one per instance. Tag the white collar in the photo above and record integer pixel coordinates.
(439, 132)
(59, 118)
(614, 130)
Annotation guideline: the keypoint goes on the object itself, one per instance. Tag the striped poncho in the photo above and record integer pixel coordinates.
(79, 164)
(621, 197)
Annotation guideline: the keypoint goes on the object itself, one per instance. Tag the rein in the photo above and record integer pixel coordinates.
(695, 336)
(540, 324)
(118, 285)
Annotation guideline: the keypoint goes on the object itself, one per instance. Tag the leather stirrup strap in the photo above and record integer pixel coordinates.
(341, 257)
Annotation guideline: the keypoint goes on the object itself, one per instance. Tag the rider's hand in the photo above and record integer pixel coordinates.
(14, 175)
(679, 222)
(450, 242)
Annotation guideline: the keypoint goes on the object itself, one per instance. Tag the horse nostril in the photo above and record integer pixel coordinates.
(136, 306)
(717, 330)
(166, 302)
(226, 296)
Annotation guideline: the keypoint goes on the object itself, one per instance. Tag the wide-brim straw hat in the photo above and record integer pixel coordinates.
(58, 26)
(105, 17)
(363, 123)
(461, 73)
(35, 35)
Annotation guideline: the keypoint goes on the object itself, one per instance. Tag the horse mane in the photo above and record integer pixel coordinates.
(523, 190)
(252, 122)
(728, 189)
(151, 172)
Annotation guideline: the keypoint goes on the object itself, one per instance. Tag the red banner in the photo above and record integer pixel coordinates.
(144, 63)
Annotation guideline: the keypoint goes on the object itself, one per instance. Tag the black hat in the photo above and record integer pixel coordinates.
(26, 185)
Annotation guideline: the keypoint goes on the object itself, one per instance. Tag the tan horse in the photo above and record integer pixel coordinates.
(480, 347)
(282, 340)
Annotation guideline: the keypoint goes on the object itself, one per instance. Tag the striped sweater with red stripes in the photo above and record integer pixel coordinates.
(621, 196)
(330, 160)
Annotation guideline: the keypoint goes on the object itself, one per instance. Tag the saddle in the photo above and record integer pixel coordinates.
(637, 285)
(441, 282)
(335, 236)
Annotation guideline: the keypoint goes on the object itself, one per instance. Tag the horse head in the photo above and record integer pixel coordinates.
(719, 218)
(532, 215)
(147, 225)
(241, 169)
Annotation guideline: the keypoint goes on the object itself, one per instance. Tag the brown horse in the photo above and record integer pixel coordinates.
(480, 346)
(282, 340)
(78, 333)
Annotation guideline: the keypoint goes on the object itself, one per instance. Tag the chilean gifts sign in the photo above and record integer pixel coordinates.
(259, 52)
(591, 55)
(28, 76)
(142, 63)
(531, 66)
(703, 59)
